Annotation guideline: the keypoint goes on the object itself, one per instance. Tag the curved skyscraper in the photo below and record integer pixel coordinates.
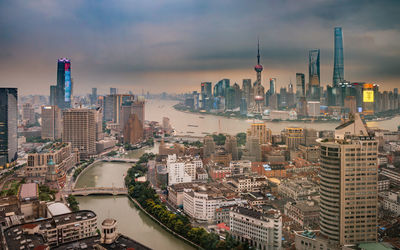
(314, 75)
(338, 67)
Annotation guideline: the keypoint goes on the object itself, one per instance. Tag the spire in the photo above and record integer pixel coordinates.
(258, 50)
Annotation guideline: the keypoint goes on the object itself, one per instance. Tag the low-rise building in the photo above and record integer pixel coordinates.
(392, 173)
(247, 183)
(391, 201)
(53, 231)
(298, 189)
(383, 183)
(304, 213)
(260, 230)
(201, 201)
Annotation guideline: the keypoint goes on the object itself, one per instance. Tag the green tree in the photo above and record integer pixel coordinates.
(241, 139)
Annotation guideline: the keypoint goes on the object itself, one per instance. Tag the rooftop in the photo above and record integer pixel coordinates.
(28, 191)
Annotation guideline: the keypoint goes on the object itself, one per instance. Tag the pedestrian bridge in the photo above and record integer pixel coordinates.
(113, 159)
(98, 190)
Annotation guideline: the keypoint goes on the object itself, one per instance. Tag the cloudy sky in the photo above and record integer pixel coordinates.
(173, 45)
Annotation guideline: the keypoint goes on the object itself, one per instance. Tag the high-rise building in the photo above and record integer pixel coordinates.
(349, 184)
(260, 130)
(293, 137)
(51, 122)
(8, 126)
(64, 84)
(28, 113)
(113, 104)
(338, 67)
(272, 85)
(209, 146)
(53, 95)
(247, 91)
(206, 94)
(133, 130)
(300, 86)
(93, 96)
(231, 147)
(314, 75)
(258, 88)
(79, 128)
(113, 91)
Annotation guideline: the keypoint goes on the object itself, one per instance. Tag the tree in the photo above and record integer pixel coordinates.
(241, 139)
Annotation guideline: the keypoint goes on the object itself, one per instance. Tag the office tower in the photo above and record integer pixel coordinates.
(53, 95)
(28, 114)
(230, 98)
(113, 91)
(133, 130)
(131, 107)
(51, 122)
(237, 95)
(64, 84)
(301, 107)
(314, 75)
(349, 184)
(93, 96)
(283, 102)
(99, 123)
(290, 87)
(273, 101)
(221, 86)
(243, 106)
(253, 149)
(247, 91)
(368, 99)
(8, 126)
(272, 85)
(338, 67)
(260, 130)
(209, 146)
(231, 147)
(112, 106)
(293, 137)
(300, 86)
(290, 95)
(79, 128)
(206, 93)
(258, 88)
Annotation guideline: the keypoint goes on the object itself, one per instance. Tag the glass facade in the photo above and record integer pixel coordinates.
(338, 68)
(8, 125)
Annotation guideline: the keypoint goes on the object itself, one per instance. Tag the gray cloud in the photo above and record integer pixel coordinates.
(146, 44)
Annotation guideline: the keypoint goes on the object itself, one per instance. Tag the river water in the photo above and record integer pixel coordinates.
(131, 221)
(156, 109)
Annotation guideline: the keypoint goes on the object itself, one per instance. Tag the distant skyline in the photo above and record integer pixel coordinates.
(174, 45)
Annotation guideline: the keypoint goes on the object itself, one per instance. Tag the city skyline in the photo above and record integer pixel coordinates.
(146, 47)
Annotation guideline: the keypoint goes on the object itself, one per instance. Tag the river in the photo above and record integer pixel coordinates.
(203, 123)
(131, 221)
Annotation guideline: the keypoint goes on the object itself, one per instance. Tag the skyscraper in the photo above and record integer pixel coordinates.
(300, 85)
(113, 91)
(206, 91)
(51, 122)
(314, 74)
(79, 128)
(28, 113)
(93, 96)
(338, 67)
(272, 85)
(64, 84)
(8, 125)
(247, 91)
(349, 184)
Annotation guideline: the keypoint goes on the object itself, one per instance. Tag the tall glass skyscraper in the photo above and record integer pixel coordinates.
(64, 84)
(272, 85)
(8, 125)
(338, 67)
(314, 74)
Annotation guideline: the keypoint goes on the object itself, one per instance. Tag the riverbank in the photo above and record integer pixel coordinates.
(382, 116)
(137, 205)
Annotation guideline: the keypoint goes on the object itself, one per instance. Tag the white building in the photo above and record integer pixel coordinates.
(177, 172)
(260, 230)
(391, 202)
(313, 108)
(201, 202)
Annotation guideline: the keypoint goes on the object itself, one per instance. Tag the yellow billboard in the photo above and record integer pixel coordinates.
(368, 96)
